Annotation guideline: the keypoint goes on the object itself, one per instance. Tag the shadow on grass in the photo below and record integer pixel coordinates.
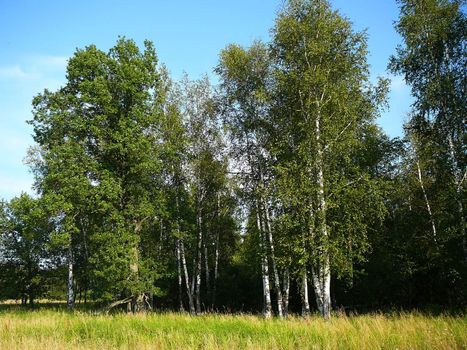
(90, 307)
(99, 307)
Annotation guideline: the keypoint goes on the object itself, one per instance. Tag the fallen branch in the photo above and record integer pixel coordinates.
(116, 303)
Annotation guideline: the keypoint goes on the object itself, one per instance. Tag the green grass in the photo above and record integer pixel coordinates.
(55, 328)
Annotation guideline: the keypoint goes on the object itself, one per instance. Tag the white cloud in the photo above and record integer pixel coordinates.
(34, 68)
(15, 72)
(50, 62)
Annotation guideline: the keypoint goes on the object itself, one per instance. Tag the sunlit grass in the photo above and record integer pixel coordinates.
(55, 328)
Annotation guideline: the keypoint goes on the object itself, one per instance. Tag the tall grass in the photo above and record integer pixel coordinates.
(55, 328)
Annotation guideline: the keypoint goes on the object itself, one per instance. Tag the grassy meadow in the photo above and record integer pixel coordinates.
(53, 327)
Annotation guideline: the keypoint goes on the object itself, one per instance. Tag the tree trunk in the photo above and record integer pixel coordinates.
(264, 268)
(322, 288)
(70, 293)
(137, 302)
(206, 268)
(161, 231)
(150, 300)
(321, 275)
(86, 262)
(216, 252)
(179, 274)
(286, 285)
(199, 262)
(458, 178)
(187, 278)
(427, 202)
(304, 295)
(277, 283)
(216, 270)
(181, 247)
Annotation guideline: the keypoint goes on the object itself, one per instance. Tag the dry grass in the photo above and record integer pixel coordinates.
(54, 328)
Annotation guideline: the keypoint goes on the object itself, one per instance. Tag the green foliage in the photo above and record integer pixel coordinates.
(98, 141)
(323, 114)
(432, 60)
(163, 193)
(24, 249)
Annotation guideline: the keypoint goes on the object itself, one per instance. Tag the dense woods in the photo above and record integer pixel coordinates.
(272, 191)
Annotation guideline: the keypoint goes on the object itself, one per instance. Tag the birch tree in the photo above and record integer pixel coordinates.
(432, 60)
(245, 77)
(324, 111)
(206, 181)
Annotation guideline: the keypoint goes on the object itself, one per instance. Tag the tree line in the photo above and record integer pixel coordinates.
(271, 187)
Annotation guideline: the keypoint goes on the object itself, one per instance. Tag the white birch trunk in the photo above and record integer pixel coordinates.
(216, 254)
(86, 256)
(184, 266)
(187, 278)
(264, 269)
(179, 274)
(304, 295)
(216, 270)
(206, 267)
(199, 263)
(458, 178)
(286, 285)
(277, 284)
(427, 202)
(321, 277)
(70, 290)
(322, 274)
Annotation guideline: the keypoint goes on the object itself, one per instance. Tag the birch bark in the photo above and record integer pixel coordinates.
(206, 268)
(187, 278)
(321, 274)
(70, 291)
(427, 202)
(199, 261)
(216, 270)
(458, 178)
(277, 284)
(286, 285)
(264, 268)
(304, 295)
(184, 266)
(179, 274)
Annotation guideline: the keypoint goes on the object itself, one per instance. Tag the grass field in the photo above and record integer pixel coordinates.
(54, 328)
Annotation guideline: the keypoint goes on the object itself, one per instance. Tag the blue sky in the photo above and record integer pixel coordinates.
(37, 37)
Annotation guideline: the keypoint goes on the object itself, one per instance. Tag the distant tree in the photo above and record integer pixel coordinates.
(245, 79)
(205, 175)
(24, 249)
(433, 61)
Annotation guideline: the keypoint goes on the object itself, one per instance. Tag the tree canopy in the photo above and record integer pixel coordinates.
(257, 193)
